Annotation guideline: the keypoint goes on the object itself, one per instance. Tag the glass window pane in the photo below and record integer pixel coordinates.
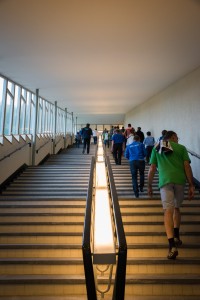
(15, 125)
(22, 117)
(11, 87)
(33, 112)
(8, 116)
(39, 124)
(2, 102)
(28, 110)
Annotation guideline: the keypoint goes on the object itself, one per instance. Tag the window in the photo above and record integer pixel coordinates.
(2, 102)
(8, 115)
(15, 125)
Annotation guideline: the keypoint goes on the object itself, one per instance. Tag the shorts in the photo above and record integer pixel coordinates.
(172, 195)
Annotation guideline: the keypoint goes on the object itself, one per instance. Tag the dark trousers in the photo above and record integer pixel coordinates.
(149, 150)
(135, 166)
(117, 153)
(106, 142)
(95, 139)
(86, 143)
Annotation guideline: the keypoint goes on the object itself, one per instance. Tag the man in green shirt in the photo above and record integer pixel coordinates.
(173, 170)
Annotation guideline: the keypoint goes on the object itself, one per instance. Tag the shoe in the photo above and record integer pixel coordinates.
(177, 242)
(141, 190)
(172, 253)
(136, 195)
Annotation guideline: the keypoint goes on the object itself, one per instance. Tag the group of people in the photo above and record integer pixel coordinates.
(166, 156)
(172, 162)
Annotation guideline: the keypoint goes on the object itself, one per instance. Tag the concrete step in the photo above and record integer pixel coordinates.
(51, 193)
(157, 218)
(42, 210)
(23, 219)
(156, 227)
(36, 266)
(40, 250)
(41, 238)
(28, 229)
(42, 285)
(139, 284)
(159, 237)
(42, 203)
(155, 250)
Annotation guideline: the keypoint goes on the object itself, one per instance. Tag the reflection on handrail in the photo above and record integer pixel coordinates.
(193, 153)
(42, 146)
(11, 153)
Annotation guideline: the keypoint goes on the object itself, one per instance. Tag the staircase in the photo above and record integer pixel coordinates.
(41, 226)
(150, 275)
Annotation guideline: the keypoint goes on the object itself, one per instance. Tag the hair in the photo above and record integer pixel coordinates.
(169, 134)
(139, 128)
(136, 138)
(148, 133)
(87, 125)
(164, 131)
(129, 125)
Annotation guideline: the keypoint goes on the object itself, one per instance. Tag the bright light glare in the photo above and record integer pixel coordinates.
(101, 175)
(103, 233)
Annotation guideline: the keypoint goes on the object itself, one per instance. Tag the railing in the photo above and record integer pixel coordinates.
(196, 182)
(120, 276)
(193, 153)
(43, 145)
(86, 249)
(11, 153)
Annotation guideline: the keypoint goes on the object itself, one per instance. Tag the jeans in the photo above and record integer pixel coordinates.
(117, 152)
(86, 143)
(135, 166)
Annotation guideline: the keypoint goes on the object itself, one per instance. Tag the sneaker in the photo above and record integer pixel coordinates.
(141, 189)
(177, 242)
(172, 253)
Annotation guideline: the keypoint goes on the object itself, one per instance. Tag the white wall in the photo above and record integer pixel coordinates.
(176, 108)
(11, 160)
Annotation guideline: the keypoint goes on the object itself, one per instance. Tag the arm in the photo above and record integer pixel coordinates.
(189, 175)
(152, 171)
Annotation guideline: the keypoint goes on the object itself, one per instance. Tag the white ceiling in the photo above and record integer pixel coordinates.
(99, 58)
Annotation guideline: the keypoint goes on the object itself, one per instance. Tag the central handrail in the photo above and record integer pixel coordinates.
(120, 276)
(86, 248)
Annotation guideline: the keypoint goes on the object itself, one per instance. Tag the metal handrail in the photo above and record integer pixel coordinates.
(193, 153)
(43, 145)
(86, 248)
(120, 277)
(11, 153)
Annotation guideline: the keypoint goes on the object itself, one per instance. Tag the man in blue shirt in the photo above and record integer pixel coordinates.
(86, 134)
(136, 154)
(117, 146)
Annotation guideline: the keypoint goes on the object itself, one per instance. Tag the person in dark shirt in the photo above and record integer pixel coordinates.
(86, 134)
(117, 146)
(140, 134)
